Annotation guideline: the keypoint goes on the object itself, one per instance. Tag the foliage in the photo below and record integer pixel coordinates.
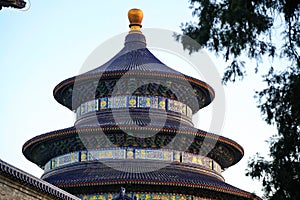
(239, 28)
(280, 105)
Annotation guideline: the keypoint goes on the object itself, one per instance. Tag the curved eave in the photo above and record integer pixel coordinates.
(63, 88)
(68, 138)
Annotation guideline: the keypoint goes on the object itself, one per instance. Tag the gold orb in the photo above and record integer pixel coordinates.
(135, 17)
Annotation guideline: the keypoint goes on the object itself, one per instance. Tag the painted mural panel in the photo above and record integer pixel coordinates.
(103, 103)
(144, 102)
(131, 101)
(119, 102)
(162, 103)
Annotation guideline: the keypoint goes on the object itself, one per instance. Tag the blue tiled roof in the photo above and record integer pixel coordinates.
(134, 57)
(134, 60)
(67, 140)
(100, 174)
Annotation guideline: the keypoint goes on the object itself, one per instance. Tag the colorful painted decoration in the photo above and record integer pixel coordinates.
(176, 106)
(119, 102)
(133, 102)
(217, 167)
(100, 155)
(131, 153)
(143, 196)
(171, 105)
(168, 155)
(119, 154)
(109, 103)
(201, 161)
(153, 154)
(189, 112)
(154, 102)
(78, 112)
(162, 103)
(83, 109)
(53, 163)
(47, 166)
(103, 103)
(84, 156)
(67, 159)
(92, 106)
(144, 102)
(183, 109)
(177, 156)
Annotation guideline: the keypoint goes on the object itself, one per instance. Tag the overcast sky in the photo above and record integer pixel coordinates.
(51, 40)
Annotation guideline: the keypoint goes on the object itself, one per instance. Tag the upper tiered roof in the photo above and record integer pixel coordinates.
(134, 61)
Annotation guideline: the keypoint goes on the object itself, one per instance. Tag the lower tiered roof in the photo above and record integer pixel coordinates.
(140, 176)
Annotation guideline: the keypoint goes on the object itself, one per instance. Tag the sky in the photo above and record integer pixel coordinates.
(49, 42)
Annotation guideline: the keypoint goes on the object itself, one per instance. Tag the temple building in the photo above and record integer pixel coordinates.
(134, 130)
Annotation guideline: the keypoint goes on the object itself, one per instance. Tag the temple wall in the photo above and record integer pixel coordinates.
(11, 189)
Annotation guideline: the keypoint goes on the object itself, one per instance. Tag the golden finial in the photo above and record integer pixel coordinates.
(135, 17)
